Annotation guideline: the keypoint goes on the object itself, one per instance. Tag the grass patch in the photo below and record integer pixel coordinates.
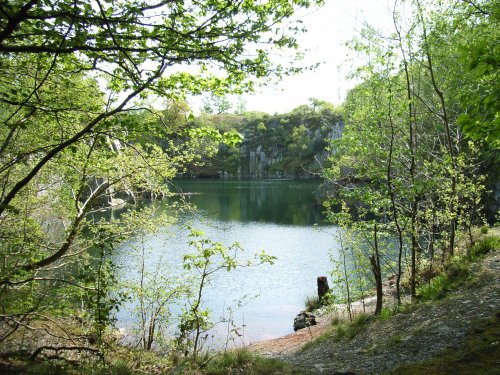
(386, 313)
(328, 335)
(130, 362)
(312, 303)
(457, 270)
(59, 367)
(389, 312)
(437, 288)
(36, 368)
(480, 356)
(396, 339)
(242, 361)
(341, 329)
(121, 361)
(455, 274)
(485, 246)
(349, 330)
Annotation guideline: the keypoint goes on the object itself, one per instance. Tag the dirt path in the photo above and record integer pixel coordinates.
(405, 338)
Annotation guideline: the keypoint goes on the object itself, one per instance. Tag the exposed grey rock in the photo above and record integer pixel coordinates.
(303, 320)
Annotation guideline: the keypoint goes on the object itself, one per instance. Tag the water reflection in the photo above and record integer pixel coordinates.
(274, 201)
(275, 216)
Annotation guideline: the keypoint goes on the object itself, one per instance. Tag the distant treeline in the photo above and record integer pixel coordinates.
(293, 144)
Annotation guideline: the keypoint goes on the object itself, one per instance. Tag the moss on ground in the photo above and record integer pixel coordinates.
(479, 356)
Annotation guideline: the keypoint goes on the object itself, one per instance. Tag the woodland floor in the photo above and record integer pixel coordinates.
(459, 334)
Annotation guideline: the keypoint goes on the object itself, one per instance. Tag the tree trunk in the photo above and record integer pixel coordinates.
(375, 262)
(323, 287)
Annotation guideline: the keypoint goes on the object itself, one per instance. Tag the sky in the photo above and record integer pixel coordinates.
(329, 28)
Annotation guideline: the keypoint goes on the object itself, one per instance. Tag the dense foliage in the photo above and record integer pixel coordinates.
(292, 144)
(77, 133)
(407, 175)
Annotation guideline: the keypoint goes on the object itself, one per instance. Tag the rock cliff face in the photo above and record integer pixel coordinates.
(277, 160)
(257, 164)
(287, 145)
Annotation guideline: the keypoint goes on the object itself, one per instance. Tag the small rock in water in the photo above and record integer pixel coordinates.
(303, 320)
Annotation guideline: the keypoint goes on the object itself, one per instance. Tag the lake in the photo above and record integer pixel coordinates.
(281, 217)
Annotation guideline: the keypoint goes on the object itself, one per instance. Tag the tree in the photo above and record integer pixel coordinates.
(151, 286)
(476, 44)
(205, 262)
(216, 104)
(133, 45)
(240, 105)
(77, 131)
(402, 165)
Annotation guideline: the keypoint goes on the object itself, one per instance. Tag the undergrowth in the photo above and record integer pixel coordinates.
(238, 361)
(242, 361)
(341, 329)
(349, 330)
(486, 245)
(312, 303)
(125, 361)
(456, 273)
(388, 312)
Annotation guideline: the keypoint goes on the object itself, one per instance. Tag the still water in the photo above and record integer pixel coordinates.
(281, 217)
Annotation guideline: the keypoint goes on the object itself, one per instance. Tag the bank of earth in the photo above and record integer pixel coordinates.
(459, 334)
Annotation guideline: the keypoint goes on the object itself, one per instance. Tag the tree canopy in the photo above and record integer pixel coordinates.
(418, 128)
(78, 132)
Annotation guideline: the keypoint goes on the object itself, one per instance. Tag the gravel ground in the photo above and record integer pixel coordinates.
(406, 338)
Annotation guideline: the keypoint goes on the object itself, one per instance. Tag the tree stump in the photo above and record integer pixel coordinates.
(323, 287)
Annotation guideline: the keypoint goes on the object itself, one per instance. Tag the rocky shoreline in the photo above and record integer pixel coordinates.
(418, 335)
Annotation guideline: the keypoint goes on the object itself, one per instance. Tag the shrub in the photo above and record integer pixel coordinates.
(484, 229)
(242, 361)
(485, 246)
(312, 303)
(456, 272)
